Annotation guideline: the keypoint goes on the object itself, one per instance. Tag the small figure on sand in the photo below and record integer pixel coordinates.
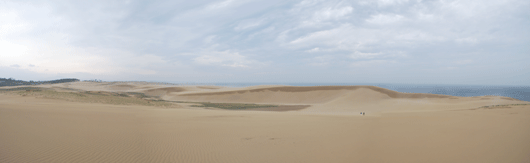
(363, 113)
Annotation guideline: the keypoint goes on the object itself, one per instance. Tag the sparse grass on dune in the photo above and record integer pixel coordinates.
(233, 106)
(128, 98)
(292, 89)
(23, 89)
(502, 106)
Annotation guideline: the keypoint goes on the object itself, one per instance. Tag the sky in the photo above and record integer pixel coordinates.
(472, 42)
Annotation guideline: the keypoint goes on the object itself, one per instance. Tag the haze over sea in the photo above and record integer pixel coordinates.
(517, 92)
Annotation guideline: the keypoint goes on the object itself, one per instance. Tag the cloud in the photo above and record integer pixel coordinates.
(223, 58)
(390, 2)
(371, 63)
(54, 57)
(332, 13)
(173, 40)
(382, 19)
(467, 40)
(9, 28)
(319, 36)
(450, 68)
(246, 24)
(324, 60)
(209, 39)
(313, 50)
(359, 55)
(463, 62)
(218, 5)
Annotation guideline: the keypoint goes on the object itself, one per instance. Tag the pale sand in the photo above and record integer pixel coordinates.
(398, 127)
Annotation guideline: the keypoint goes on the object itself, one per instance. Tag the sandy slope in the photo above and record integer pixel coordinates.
(345, 99)
(44, 130)
(406, 128)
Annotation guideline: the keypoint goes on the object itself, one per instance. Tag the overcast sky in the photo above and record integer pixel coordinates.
(366, 41)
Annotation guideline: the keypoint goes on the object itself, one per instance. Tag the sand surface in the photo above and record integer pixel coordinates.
(398, 127)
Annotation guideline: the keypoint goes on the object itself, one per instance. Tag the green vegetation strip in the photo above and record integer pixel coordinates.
(127, 98)
(492, 106)
(24, 89)
(233, 106)
(13, 82)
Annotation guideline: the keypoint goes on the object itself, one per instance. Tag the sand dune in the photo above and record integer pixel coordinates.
(305, 95)
(208, 87)
(389, 93)
(163, 91)
(399, 127)
(121, 87)
(345, 99)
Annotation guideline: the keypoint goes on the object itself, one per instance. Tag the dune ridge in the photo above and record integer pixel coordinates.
(344, 99)
(390, 93)
(163, 91)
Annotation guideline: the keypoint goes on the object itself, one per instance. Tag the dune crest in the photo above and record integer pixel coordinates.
(343, 99)
(163, 91)
(293, 89)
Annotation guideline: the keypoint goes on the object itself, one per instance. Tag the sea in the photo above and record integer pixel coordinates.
(517, 92)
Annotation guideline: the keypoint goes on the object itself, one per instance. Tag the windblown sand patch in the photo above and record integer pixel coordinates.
(208, 87)
(122, 87)
(282, 108)
(249, 107)
(163, 91)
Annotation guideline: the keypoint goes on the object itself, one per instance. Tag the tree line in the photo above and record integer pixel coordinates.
(13, 82)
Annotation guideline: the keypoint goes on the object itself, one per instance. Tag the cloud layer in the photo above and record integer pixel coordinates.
(384, 41)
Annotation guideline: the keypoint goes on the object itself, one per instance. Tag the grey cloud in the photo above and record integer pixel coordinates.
(412, 36)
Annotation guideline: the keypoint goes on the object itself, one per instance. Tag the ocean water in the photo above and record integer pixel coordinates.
(517, 92)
